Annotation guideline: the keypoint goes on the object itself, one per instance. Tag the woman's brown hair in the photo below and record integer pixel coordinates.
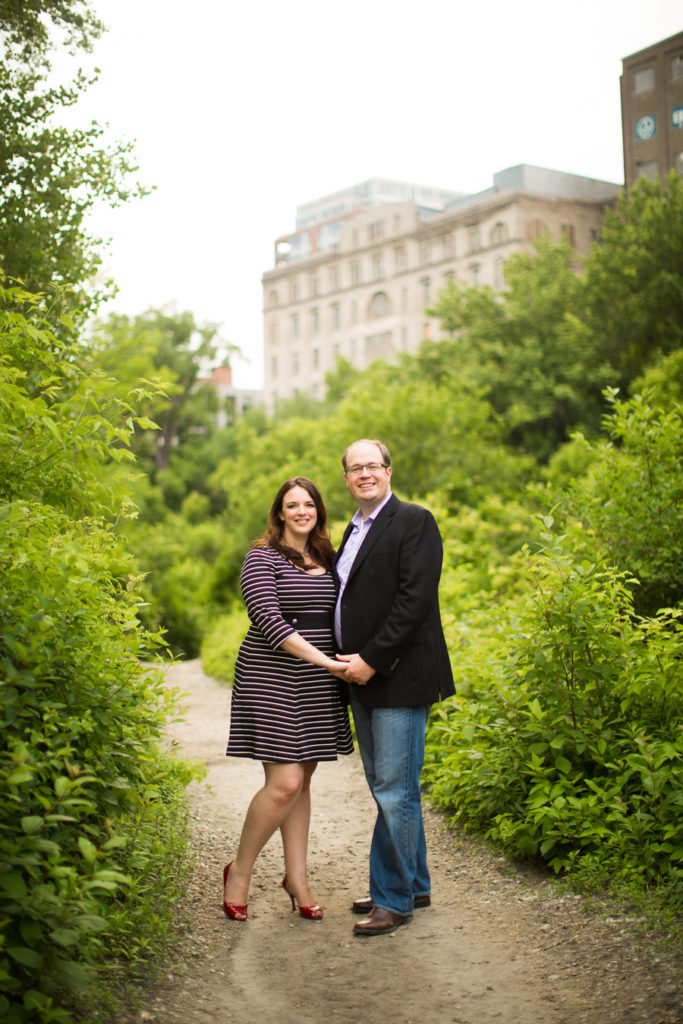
(320, 550)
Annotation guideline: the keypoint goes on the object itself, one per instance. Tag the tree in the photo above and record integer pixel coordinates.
(171, 350)
(528, 349)
(634, 278)
(24, 24)
(50, 177)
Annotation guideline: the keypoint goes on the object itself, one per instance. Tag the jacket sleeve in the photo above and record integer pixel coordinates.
(259, 591)
(420, 557)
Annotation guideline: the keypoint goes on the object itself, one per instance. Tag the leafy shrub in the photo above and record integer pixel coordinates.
(569, 742)
(89, 797)
(221, 644)
(631, 499)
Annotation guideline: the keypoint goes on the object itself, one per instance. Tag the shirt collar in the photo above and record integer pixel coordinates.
(357, 518)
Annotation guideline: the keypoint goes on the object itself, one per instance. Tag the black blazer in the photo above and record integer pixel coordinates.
(390, 609)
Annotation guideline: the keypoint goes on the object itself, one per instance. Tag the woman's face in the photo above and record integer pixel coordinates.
(299, 516)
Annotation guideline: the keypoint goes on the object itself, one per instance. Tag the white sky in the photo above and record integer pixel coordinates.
(243, 110)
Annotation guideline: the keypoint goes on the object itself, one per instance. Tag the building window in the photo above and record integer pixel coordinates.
(295, 364)
(354, 312)
(315, 321)
(426, 288)
(404, 338)
(400, 259)
(336, 317)
(499, 234)
(314, 286)
(272, 332)
(397, 223)
(334, 278)
(676, 66)
(425, 254)
(649, 169)
(404, 300)
(356, 275)
(449, 278)
(448, 243)
(534, 229)
(499, 273)
(293, 291)
(375, 230)
(379, 306)
(643, 80)
(295, 328)
(678, 163)
(377, 266)
(475, 269)
(273, 366)
(272, 298)
(352, 350)
(473, 239)
(354, 237)
(316, 358)
(569, 233)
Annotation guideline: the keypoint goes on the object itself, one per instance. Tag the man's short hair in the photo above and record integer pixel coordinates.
(386, 457)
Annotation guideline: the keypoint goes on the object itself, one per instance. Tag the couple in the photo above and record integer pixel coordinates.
(382, 613)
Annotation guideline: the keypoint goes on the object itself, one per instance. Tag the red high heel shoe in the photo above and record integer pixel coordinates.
(314, 913)
(234, 912)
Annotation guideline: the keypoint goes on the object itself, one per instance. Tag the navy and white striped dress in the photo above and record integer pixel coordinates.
(283, 708)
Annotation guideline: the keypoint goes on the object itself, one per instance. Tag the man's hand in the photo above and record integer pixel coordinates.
(358, 671)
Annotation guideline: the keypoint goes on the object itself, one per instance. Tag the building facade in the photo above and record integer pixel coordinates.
(355, 279)
(652, 110)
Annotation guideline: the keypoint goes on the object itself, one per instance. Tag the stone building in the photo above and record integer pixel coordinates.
(355, 278)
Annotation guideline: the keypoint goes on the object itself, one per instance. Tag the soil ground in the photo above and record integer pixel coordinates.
(499, 945)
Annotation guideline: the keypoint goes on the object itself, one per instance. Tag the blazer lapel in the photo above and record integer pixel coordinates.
(376, 530)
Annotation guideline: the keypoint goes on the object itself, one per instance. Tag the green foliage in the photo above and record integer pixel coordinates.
(634, 278)
(569, 740)
(169, 349)
(527, 349)
(631, 499)
(25, 26)
(89, 796)
(221, 644)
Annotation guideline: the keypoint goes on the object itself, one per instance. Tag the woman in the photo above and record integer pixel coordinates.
(286, 709)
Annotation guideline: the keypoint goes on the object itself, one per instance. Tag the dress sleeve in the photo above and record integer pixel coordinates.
(257, 581)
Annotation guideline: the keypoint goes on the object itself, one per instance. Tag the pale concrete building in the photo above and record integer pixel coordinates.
(354, 279)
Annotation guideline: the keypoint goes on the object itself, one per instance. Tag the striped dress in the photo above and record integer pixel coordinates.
(284, 709)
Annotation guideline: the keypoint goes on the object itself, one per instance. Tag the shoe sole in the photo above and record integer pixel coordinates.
(419, 903)
(363, 932)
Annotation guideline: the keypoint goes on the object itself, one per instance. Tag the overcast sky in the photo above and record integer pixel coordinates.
(242, 111)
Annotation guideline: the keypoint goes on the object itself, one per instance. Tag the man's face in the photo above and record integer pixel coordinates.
(369, 486)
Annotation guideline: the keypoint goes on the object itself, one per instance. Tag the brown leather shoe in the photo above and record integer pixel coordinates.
(364, 906)
(380, 922)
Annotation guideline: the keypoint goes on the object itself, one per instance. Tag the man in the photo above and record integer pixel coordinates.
(388, 627)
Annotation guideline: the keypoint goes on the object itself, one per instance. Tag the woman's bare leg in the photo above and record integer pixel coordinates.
(294, 830)
(266, 813)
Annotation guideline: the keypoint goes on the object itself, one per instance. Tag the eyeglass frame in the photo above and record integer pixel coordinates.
(372, 467)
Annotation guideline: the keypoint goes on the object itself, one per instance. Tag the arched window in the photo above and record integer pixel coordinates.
(499, 234)
(379, 306)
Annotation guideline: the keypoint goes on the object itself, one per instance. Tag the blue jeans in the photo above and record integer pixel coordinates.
(392, 747)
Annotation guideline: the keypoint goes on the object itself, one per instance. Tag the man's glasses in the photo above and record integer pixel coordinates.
(372, 467)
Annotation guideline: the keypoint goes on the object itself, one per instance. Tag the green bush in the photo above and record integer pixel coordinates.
(89, 799)
(221, 644)
(569, 741)
(630, 501)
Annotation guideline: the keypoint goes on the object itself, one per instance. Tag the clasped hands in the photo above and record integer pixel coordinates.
(354, 669)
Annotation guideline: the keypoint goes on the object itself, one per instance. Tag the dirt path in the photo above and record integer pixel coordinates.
(496, 946)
